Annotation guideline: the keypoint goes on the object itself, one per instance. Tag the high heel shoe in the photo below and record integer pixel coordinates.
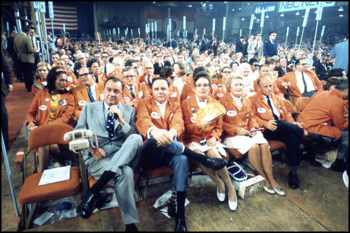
(221, 196)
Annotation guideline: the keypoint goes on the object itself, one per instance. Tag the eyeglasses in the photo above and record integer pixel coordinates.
(84, 75)
(129, 76)
(104, 57)
(149, 68)
(226, 72)
(205, 85)
(256, 65)
(304, 64)
(274, 35)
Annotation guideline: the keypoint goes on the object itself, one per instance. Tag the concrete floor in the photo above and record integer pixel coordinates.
(319, 204)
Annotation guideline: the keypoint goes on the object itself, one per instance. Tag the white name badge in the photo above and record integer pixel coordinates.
(174, 94)
(70, 79)
(42, 107)
(102, 96)
(193, 120)
(47, 99)
(220, 95)
(127, 99)
(82, 102)
(140, 94)
(261, 110)
(155, 115)
(231, 113)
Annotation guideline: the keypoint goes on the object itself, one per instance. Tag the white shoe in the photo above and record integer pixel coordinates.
(346, 179)
(279, 191)
(232, 205)
(269, 189)
(221, 196)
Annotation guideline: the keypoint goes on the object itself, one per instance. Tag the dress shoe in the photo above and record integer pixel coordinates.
(279, 191)
(221, 196)
(232, 205)
(313, 162)
(338, 165)
(180, 225)
(215, 163)
(269, 189)
(293, 181)
(328, 141)
(86, 207)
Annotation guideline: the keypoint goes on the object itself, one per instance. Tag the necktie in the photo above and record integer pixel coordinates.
(106, 70)
(90, 95)
(96, 79)
(110, 125)
(149, 81)
(269, 103)
(132, 92)
(302, 75)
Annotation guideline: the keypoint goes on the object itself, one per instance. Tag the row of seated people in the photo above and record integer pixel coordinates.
(155, 116)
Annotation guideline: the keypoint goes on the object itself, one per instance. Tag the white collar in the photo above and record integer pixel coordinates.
(107, 106)
(161, 105)
(205, 101)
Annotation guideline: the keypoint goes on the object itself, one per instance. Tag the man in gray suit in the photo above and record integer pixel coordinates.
(116, 154)
(24, 48)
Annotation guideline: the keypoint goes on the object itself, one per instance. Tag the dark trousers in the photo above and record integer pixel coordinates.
(36, 60)
(28, 70)
(290, 134)
(14, 60)
(309, 94)
(4, 122)
(169, 156)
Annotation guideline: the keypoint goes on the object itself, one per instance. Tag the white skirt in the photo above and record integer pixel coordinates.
(244, 143)
(204, 148)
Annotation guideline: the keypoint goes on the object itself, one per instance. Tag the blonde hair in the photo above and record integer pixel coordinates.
(232, 77)
(47, 65)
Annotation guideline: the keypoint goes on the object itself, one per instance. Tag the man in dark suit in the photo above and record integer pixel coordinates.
(282, 69)
(24, 48)
(160, 63)
(270, 46)
(240, 45)
(13, 54)
(117, 153)
(322, 69)
(6, 87)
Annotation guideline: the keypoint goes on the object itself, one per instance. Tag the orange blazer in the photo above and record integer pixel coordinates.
(263, 111)
(294, 90)
(115, 74)
(325, 114)
(100, 77)
(236, 117)
(82, 97)
(140, 91)
(37, 86)
(72, 81)
(192, 133)
(148, 114)
(41, 107)
(142, 79)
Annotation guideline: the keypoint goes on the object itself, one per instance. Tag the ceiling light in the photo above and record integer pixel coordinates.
(341, 9)
(225, 2)
(341, 15)
(297, 13)
(282, 15)
(243, 19)
(189, 5)
(315, 11)
(239, 9)
(267, 16)
(233, 9)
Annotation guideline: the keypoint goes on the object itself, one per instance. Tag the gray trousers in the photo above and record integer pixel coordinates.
(344, 144)
(122, 163)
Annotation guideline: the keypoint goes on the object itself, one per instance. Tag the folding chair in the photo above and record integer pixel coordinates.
(31, 193)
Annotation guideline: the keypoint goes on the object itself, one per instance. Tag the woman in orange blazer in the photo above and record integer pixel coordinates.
(239, 121)
(218, 90)
(52, 105)
(41, 73)
(203, 137)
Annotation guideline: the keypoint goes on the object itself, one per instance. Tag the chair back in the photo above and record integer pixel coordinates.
(47, 135)
(302, 102)
(289, 106)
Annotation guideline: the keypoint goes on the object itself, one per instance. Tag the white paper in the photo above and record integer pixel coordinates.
(55, 175)
(43, 218)
(205, 147)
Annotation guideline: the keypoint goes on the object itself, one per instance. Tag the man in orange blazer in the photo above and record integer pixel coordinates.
(160, 122)
(325, 115)
(301, 82)
(280, 125)
(81, 93)
(147, 77)
(133, 91)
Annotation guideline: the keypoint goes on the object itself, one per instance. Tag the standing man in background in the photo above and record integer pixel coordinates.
(24, 48)
(13, 54)
(341, 55)
(270, 46)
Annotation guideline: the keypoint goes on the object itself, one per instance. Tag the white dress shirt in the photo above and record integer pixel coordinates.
(300, 83)
(274, 109)
(93, 90)
(201, 104)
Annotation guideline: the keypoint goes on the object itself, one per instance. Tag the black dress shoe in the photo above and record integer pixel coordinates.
(313, 162)
(180, 225)
(215, 163)
(86, 207)
(293, 181)
(329, 142)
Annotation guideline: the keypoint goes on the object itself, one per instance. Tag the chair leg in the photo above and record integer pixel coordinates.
(26, 218)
